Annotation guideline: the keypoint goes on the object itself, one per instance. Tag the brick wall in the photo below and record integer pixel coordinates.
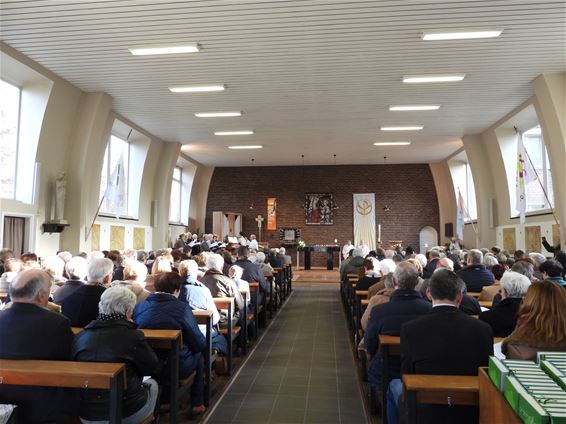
(408, 191)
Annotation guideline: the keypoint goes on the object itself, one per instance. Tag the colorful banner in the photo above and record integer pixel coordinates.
(364, 220)
(271, 213)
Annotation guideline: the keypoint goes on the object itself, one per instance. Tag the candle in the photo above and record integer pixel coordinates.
(379, 232)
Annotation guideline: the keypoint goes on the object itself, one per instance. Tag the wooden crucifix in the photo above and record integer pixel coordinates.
(259, 221)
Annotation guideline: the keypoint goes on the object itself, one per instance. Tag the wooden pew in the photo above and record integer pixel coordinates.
(69, 374)
(391, 346)
(3, 296)
(439, 390)
(205, 318)
(358, 311)
(486, 303)
(493, 406)
(170, 340)
(474, 294)
(272, 301)
(231, 332)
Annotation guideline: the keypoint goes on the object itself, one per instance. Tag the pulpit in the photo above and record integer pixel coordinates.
(329, 250)
(226, 224)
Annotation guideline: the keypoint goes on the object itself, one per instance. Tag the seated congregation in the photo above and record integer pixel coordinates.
(91, 307)
(448, 310)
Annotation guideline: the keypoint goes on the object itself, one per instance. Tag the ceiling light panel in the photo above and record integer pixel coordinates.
(406, 108)
(197, 88)
(243, 132)
(392, 143)
(164, 49)
(402, 128)
(217, 114)
(460, 35)
(242, 147)
(415, 79)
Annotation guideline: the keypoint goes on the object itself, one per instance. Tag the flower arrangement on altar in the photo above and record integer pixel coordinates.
(301, 245)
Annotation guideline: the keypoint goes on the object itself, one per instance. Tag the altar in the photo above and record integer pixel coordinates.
(329, 250)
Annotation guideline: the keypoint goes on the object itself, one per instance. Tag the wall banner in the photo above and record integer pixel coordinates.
(364, 219)
(271, 213)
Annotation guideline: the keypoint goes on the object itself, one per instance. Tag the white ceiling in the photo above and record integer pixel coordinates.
(312, 77)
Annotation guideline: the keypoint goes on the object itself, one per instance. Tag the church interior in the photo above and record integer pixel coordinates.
(305, 165)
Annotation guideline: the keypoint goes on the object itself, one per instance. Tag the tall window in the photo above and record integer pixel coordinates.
(9, 128)
(175, 202)
(117, 151)
(536, 151)
(464, 183)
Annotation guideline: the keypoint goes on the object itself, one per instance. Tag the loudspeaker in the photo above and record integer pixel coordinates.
(154, 212)
(491, 212)
(449, 229)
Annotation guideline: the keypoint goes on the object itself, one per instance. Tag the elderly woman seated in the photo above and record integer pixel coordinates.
(163, 310)
(198, 296)
(135, 274)
(503, 317)
(264, 266)
(113, 337)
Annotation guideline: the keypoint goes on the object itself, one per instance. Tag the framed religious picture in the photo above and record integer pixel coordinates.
(318, 209)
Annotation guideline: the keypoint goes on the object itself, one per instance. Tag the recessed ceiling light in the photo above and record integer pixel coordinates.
(164, 49)
(433, 78)
(403, 128)
(217, 114)
(245, 132)
(460, 35)
(197, 88)
(246, 147)
(392, 143)
(403, 108)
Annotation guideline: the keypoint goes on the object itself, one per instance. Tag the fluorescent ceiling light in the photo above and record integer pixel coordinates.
(392, 143)
(433, 78)
(246, 147)
(403, 128)
(246, 132)
(217, 114)
(404, 108)
(197, 88)
(460, 35)
(164, 49)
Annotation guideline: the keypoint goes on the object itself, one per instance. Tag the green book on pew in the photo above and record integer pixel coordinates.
(554, 372)
(497, 371)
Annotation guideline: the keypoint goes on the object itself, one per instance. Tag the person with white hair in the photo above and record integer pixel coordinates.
(219, 284)
(54, 266)
(264, 266)
(65, 255)
(113, 337)
(285, 259)
(538, 259)
(387, 266)
(135, 274)
(198, 296)
(81, 306)
(29, 331)
(235, 273)
(489, 261)
(76, 269)
(503, 317)
(422, 259)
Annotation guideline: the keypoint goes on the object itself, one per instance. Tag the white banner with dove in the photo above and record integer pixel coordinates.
(364, 220)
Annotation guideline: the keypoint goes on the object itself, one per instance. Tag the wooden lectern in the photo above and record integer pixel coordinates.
(226, 224)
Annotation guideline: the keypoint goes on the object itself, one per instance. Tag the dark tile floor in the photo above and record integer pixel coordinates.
(303, 370)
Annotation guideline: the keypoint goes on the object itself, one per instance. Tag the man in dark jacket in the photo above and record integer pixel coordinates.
(29, 331)
(475, 274)
(252, 272)
(352, 265)
(503, 317)
(113, 337)
(405, 305)
(433, 258)
(446, 342)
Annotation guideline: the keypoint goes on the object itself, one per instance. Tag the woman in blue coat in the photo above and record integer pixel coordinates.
(163, 310)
